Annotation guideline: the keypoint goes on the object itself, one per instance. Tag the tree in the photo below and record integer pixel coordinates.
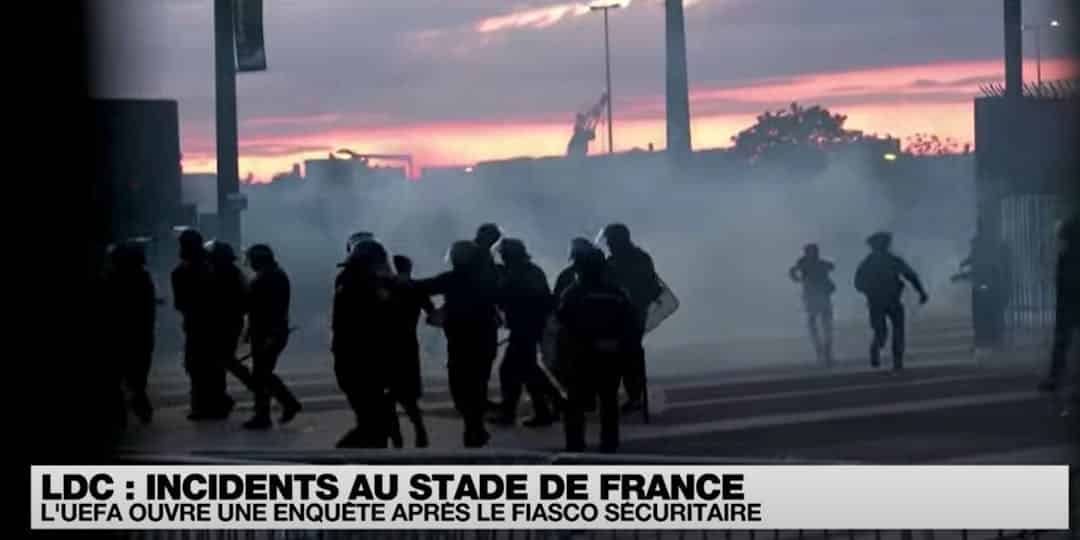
(795, 133)
(924, 144)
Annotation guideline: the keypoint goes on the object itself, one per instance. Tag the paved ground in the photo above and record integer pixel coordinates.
(945, 408)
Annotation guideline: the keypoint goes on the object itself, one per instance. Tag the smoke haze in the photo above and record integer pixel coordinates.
(723, 244)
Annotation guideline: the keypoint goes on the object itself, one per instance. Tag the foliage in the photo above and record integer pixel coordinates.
(924, 144)
(793, 132)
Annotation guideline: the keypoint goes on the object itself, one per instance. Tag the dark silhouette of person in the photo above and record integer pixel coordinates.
(633, 270)
(356, 238)
(471, 328)
(1067, 305)
(526, 300)
(987, 268)
(817, 288)
(405, 384)
(878, 277)
(363, 339)
(567, 277)
(230, 291)
(131, 311)
(602, 329)
(487, 235)
(192, 285)
(268, 333)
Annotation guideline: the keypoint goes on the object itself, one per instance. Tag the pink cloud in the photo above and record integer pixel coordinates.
(899, 100)
(531, 18)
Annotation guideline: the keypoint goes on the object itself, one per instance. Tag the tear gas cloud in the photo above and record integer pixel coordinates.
(723, 244)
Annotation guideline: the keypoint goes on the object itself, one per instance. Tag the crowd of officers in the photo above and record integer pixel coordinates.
(593, 322)
(591, 327)
(596, 315)
(220, 307)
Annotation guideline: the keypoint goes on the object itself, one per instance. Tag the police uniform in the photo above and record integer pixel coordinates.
(602, 330)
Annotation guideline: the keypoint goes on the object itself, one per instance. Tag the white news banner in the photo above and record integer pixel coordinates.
(549, 497)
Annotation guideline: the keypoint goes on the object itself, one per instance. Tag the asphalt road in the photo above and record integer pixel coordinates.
(944, 407)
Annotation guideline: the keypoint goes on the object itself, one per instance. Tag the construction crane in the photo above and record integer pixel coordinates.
(585, 128)
(407, 158)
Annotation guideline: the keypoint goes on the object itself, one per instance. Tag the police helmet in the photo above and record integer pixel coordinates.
(191, 242)
(488, 234)
(880, 240)
(616, 233)
(356, 238)
(259, 255)
(130, 253)
(371, 254)
(220, 251)
(578, 245)
(513, 249)
(462, 253)
(589, 263)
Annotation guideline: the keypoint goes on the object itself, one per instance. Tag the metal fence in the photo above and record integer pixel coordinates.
(1027, 229)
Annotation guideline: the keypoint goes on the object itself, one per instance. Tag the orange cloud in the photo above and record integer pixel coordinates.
(900, 101)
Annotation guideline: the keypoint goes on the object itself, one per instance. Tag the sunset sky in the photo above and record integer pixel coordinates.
(469, 80)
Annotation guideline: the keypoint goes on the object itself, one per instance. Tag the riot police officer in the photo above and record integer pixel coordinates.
(550, 345)
(362, 341)
(567, 277)
(487, 236)
(633, 270)
(602, 329)
(406, 385)
(526, 300)
(471, 330)
(230, 293)
(268, 333)
(131, 311)
(193, 298)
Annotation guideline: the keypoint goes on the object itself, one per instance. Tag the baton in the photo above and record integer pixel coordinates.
(248, 355)
(551, 379)
(644, 393)
(543, 369)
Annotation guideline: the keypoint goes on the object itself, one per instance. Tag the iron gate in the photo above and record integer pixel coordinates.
(1028, 224)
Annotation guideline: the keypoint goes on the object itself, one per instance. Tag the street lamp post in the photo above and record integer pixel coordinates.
(1037, 28)
(607, 68)
(228, 173)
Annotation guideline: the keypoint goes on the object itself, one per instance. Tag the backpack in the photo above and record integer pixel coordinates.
(603, 318)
